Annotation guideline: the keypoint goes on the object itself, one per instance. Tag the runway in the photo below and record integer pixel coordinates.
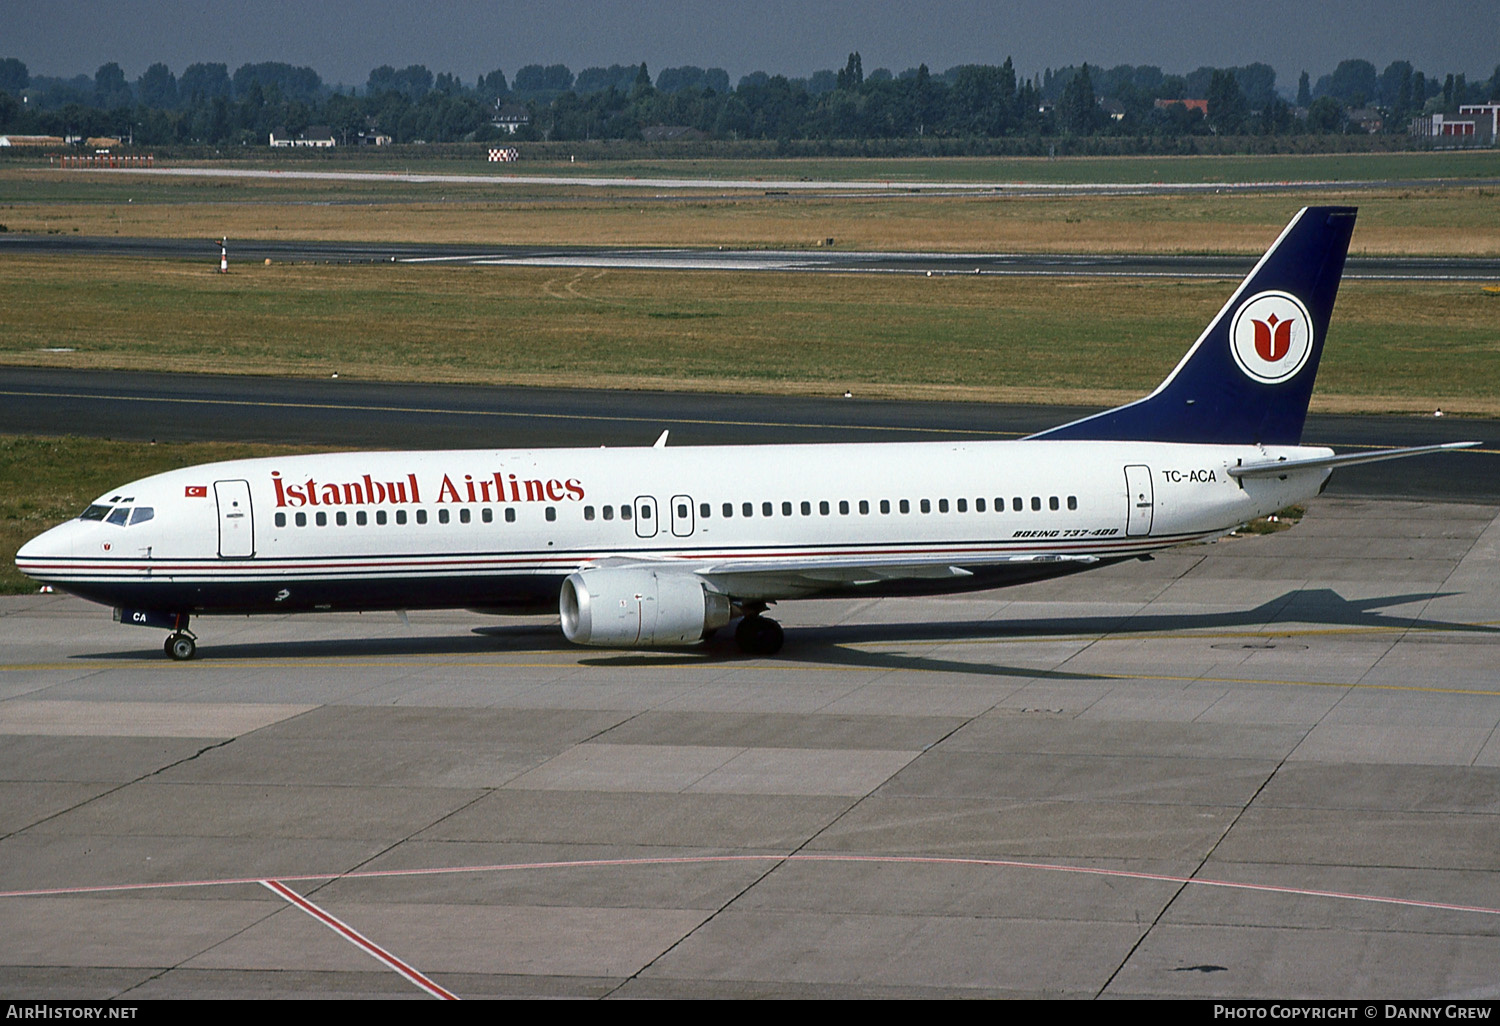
(359, 414)
(1266, 767)
(819, 260)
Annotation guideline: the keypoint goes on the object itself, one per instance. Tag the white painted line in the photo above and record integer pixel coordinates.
(359, 940)
(511, 867)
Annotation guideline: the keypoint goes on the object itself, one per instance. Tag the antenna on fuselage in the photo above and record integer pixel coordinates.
(661, 443)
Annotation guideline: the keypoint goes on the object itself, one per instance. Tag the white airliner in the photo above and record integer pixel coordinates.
(659, 546)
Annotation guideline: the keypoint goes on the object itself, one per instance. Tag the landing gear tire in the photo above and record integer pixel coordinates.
(757, 635)
(180, 647)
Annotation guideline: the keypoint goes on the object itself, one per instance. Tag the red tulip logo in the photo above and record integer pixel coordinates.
(1273, 340)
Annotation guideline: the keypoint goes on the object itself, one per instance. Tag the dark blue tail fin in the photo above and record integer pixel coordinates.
(1249, 376)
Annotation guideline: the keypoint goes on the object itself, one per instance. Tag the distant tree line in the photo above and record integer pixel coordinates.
(207, 104)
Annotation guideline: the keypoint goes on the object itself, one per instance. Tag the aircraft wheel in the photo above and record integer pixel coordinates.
(757, 635)
(180, 647)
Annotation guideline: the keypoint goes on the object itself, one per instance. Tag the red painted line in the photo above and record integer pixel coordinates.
(359, 940)
(373, 874)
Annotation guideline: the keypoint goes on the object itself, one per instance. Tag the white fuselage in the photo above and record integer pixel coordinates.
(502, 529)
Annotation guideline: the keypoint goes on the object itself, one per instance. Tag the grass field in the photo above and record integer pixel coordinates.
(1393, 346)
(44, 481)
(1448, 220)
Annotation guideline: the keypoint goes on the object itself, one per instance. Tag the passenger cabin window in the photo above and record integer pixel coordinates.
(442, 516)
(609, 512)
(625, 513)
(400, 516)
(1072, 502)
(510, 515)
(978, 506)
(807, 509)
(301, 519)
(588, 512)
(766, 509)
(864, 507)
(421, 516)
(748, 509)
(728, 509)
(1052, 503)
(843, 507)
(1018, 504)
(361, 518)
(905, 506)
(786, 509)
(487, 515)
(963, 505)
(1036, 503)
(885, 505)
(704, 509)
(551, 513)
(281, 520)
(341, 518)
(322, 519)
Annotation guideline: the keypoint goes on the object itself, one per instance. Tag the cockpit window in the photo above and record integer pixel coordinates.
(119, 516)
(141, 515)
(98, 511)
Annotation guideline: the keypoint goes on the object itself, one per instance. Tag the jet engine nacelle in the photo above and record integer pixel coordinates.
(628, 607)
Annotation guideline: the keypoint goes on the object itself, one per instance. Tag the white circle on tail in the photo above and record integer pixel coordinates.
(1271, 337)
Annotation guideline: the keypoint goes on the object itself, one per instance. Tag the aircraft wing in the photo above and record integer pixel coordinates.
(773, 578)
(1279, 467)
(789, 577)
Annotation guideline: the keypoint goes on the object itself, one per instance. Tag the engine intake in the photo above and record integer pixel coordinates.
(635, 607)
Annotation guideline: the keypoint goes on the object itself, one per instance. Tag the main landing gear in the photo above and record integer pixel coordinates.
(181, 645)
(757, 635)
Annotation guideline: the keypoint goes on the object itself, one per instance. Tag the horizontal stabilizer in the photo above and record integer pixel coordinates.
(1280, 467)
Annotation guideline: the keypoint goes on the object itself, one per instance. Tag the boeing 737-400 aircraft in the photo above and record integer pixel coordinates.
(658, 546)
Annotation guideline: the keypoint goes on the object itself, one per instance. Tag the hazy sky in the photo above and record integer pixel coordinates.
(343, 39)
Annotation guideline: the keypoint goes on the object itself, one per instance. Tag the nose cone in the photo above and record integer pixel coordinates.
(32, 558)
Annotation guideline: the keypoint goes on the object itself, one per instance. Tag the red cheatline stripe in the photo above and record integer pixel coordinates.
(1124, 874)
(359, 940)
(287, 566)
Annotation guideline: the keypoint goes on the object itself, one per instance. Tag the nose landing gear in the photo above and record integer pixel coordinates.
(180, 646)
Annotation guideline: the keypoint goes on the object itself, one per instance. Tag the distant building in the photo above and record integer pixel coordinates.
(1477, 123)
(31, 140)
(510, 117)
(1201, 106)
(1367, 119)
(1112, 107)
(316, 136)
